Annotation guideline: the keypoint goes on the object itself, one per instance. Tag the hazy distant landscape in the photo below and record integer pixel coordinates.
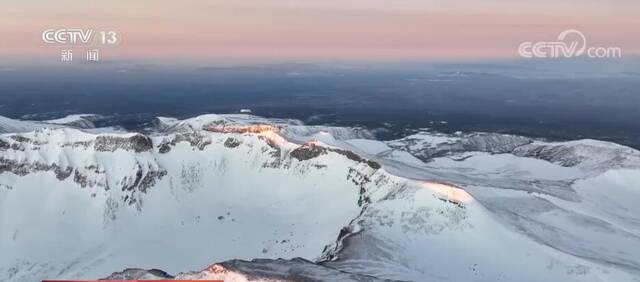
(397, 98)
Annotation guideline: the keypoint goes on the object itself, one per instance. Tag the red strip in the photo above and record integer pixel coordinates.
(132, 281)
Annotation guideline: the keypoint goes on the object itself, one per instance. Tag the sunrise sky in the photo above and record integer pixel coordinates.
(323, 29)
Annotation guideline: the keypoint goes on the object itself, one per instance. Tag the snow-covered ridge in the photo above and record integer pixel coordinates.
(122, 174)
(291, 129)
(172, 125)
(313, 202)
(8, 125)
(586, 153)
(81, 121)
(78, 121)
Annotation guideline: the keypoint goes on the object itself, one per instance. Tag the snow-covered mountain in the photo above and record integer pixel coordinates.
(78, 121)
(8, 125)
(246, 198)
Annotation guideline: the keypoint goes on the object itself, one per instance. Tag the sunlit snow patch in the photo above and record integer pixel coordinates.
(448, 192)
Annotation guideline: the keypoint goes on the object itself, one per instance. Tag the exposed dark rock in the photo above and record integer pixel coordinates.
(150, 179)
(330, 252)
(307, 152)
(164, 148)
(130, 187)
(232, 142)
(373, 164)
(138, 143)
(310, 151)
(141, 183)
(21, 139)
(359, 179)
(79, 144)
(194, 139)
(20, 168)
(17, 147)
(4, 145)
(13, 167)
(62, 174)
(80, 178)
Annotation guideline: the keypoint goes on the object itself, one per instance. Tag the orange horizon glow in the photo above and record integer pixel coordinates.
(329, 29)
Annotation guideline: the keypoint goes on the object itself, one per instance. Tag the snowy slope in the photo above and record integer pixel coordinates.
(575, 197)
(79, 120)
(8, 125)
(315, 202)
(262, 204)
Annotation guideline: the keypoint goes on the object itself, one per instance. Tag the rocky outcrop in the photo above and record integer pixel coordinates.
(137, 143)
(232, 142)
(194, 139)
(310, 151)
(4, 145)
(307, 152)
(143, 180)
(24, 168)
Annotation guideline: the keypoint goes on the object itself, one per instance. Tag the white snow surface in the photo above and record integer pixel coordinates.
(8, 125)
(70, 119)
(81, 205)
(81, 121)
